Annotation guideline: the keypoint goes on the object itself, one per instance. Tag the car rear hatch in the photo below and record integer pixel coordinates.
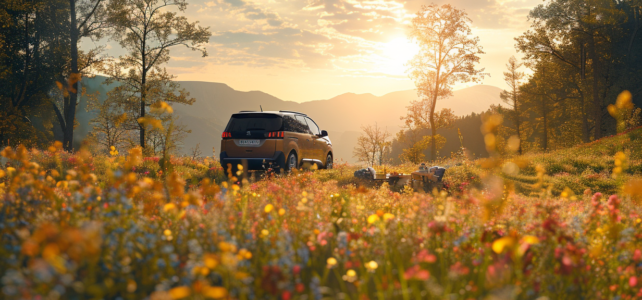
(252, 135)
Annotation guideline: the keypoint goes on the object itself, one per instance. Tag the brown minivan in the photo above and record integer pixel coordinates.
(282, 140)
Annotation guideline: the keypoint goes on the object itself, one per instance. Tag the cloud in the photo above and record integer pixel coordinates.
(327, 34)
(487, 14)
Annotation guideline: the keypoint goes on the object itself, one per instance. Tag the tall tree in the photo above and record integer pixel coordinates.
(148, 29)
(448, 54)
(86, 19)
(554, 105)
(32, 53)
(513, 79)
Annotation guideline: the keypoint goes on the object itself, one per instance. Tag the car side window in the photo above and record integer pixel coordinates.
(304, 126)
(313, 126)
(290, 123)
(295, 125)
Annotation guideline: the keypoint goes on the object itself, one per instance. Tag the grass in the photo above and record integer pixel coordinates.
(87, 226)
(582, 168)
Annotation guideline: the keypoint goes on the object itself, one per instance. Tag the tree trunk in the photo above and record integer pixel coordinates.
(143, 85)
(433, 144)
(70, 110)
(433, 129)
(143, 94)
(597, 105)
(372, 160)
(517, 119)
(585, 125)
(519, 137)
(545, 119)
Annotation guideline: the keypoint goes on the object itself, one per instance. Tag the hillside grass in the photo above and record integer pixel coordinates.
(588, 167)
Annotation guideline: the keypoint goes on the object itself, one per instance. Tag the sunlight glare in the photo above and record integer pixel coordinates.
(396, 55)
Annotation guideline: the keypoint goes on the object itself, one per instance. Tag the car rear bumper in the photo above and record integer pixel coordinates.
(276, 162)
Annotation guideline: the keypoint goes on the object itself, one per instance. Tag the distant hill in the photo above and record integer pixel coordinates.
(341, 116)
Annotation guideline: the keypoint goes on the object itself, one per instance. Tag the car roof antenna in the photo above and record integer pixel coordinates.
(261, 108)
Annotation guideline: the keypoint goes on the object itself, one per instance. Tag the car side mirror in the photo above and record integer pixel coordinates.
(324, 133)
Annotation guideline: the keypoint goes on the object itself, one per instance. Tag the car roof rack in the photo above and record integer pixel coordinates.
(294, 112)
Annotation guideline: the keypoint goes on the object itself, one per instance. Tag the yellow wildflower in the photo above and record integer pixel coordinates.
(500, 244)
(529, 239)
(372, 219)
(169, 206)
(331, 262)
(210, 261)
(179, 292)
(215, 292)
(372, 265)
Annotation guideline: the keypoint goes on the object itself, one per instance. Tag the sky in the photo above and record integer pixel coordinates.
(302, 50)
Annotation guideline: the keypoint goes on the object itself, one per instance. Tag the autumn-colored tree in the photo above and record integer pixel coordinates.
(109, 126)
(513, 79)
(161, 88)
(148, 29)
(372, 145)
(421, 115)
(87, 18)
(448, 54)
(415, 143)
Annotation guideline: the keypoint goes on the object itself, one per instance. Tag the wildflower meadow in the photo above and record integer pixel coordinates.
(568, 225)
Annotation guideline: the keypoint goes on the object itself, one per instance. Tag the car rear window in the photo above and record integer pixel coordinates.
(248, 122)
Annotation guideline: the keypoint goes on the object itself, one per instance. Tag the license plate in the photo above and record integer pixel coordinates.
(249, 142)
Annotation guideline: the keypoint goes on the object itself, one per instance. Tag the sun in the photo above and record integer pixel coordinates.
(396, 54)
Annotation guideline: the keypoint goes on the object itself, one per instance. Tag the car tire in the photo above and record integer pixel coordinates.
(292, 162)
(329, 162)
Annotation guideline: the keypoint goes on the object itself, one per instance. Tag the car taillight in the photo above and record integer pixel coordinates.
(226, 135)
(276, 134)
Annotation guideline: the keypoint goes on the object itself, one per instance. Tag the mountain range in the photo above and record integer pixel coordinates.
(342, 116)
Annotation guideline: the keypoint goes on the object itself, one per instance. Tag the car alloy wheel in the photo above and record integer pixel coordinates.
(328, 162)
(292, 163)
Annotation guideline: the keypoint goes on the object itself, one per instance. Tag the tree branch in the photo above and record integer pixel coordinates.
(82, 24)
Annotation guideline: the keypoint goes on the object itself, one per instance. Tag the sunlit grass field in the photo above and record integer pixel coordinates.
(561, 225)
